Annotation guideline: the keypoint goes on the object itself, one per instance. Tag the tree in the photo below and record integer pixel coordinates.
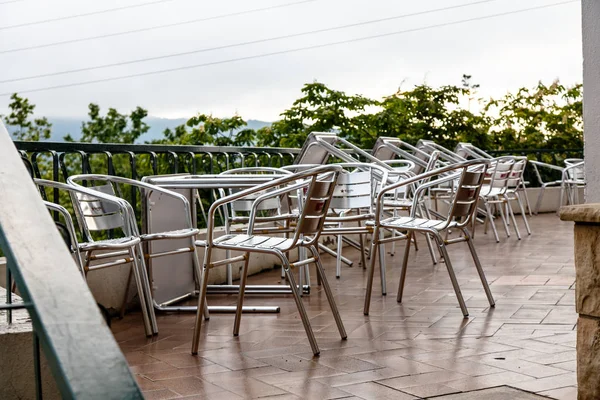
(26, 128)
(114, 127)
(541, 117)
(320, 109)
(204, 129)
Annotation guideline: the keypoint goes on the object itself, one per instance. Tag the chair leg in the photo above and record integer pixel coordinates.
(538, 203)
(403, 270)
(490, 219)
(371, 272)
(430, 247)
(200, 312)
(484, 282)
(503, 217)
(382, 269)
(338, 258)
(459, 296)
(329, 293)
(240, 302)
(512, 217)
(527, 200)
(198, 274)
(141, 293)
(523, 213)
(146, 285)
(301, 309)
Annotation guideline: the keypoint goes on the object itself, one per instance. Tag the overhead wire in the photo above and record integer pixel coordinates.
(10, 1)
(109, 10)
(311, 47)
(151, 28)
(289, 36)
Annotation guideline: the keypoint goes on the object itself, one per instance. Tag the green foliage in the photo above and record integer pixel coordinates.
(541, 117)
(27, 129)
(114, 127)
(205, 129)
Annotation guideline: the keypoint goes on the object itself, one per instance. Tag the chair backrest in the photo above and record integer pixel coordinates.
(387, 148)
(244, 205)
(312, 152)
(96, 208)
(466, 194)
(467, 150)
(575, 169)
(315, 205)
(429, 146)
(498, 176)
(353, 190)
(517, 172)
(99, 215)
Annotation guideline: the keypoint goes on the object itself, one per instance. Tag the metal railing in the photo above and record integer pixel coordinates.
(81, 352)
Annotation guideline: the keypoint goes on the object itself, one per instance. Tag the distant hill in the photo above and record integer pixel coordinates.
(63, 126)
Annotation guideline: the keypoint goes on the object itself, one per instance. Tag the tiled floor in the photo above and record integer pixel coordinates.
(418, 349)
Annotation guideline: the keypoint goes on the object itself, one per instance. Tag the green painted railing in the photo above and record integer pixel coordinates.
(82, 354)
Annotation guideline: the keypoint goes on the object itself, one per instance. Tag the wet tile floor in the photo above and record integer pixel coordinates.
(421, 348)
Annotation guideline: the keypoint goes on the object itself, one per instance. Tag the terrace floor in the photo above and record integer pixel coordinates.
(421, 348)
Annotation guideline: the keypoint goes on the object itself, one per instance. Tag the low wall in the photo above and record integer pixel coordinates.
(17, 377)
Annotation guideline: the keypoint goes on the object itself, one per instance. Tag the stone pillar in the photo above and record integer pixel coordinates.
(587, 296)
(590, 12)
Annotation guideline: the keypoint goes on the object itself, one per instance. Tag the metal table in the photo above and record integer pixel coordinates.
(160, 213)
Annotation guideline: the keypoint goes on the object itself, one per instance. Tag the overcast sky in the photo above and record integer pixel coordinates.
(501, 53)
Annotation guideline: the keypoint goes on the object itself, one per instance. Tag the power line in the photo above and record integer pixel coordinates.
(293, 35)
(192, 21)
(45, 21)
(364, 38)
(10, 1)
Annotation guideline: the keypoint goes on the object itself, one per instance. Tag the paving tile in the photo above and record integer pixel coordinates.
(566, 393)
(421, 347)
(375, 391)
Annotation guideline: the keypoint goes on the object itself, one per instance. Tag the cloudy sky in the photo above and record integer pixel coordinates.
(244, 76)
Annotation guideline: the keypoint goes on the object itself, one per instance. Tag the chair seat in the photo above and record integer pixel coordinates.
(415, 223)
(253, 242)
(177, 234)
(110, 244)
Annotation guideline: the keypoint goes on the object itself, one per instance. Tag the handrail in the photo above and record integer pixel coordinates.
(82, 354)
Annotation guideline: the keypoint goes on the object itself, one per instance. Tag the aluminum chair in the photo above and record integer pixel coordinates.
(272, 210)
(469, 176)
(493, 195)
(318, 185)
(516, 186)
(469, 151)
(537, 166)
(100, 212)
(352, 202)
(573, 178)
(155, 244)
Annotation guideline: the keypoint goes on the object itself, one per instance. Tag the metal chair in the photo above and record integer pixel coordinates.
(272, 210)
(467, 151)
(573, 178)
(100, 212)
(469, 176)
(318, 184)
(515, 186)
(155, 244)
(493, 195)
(537, 165)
